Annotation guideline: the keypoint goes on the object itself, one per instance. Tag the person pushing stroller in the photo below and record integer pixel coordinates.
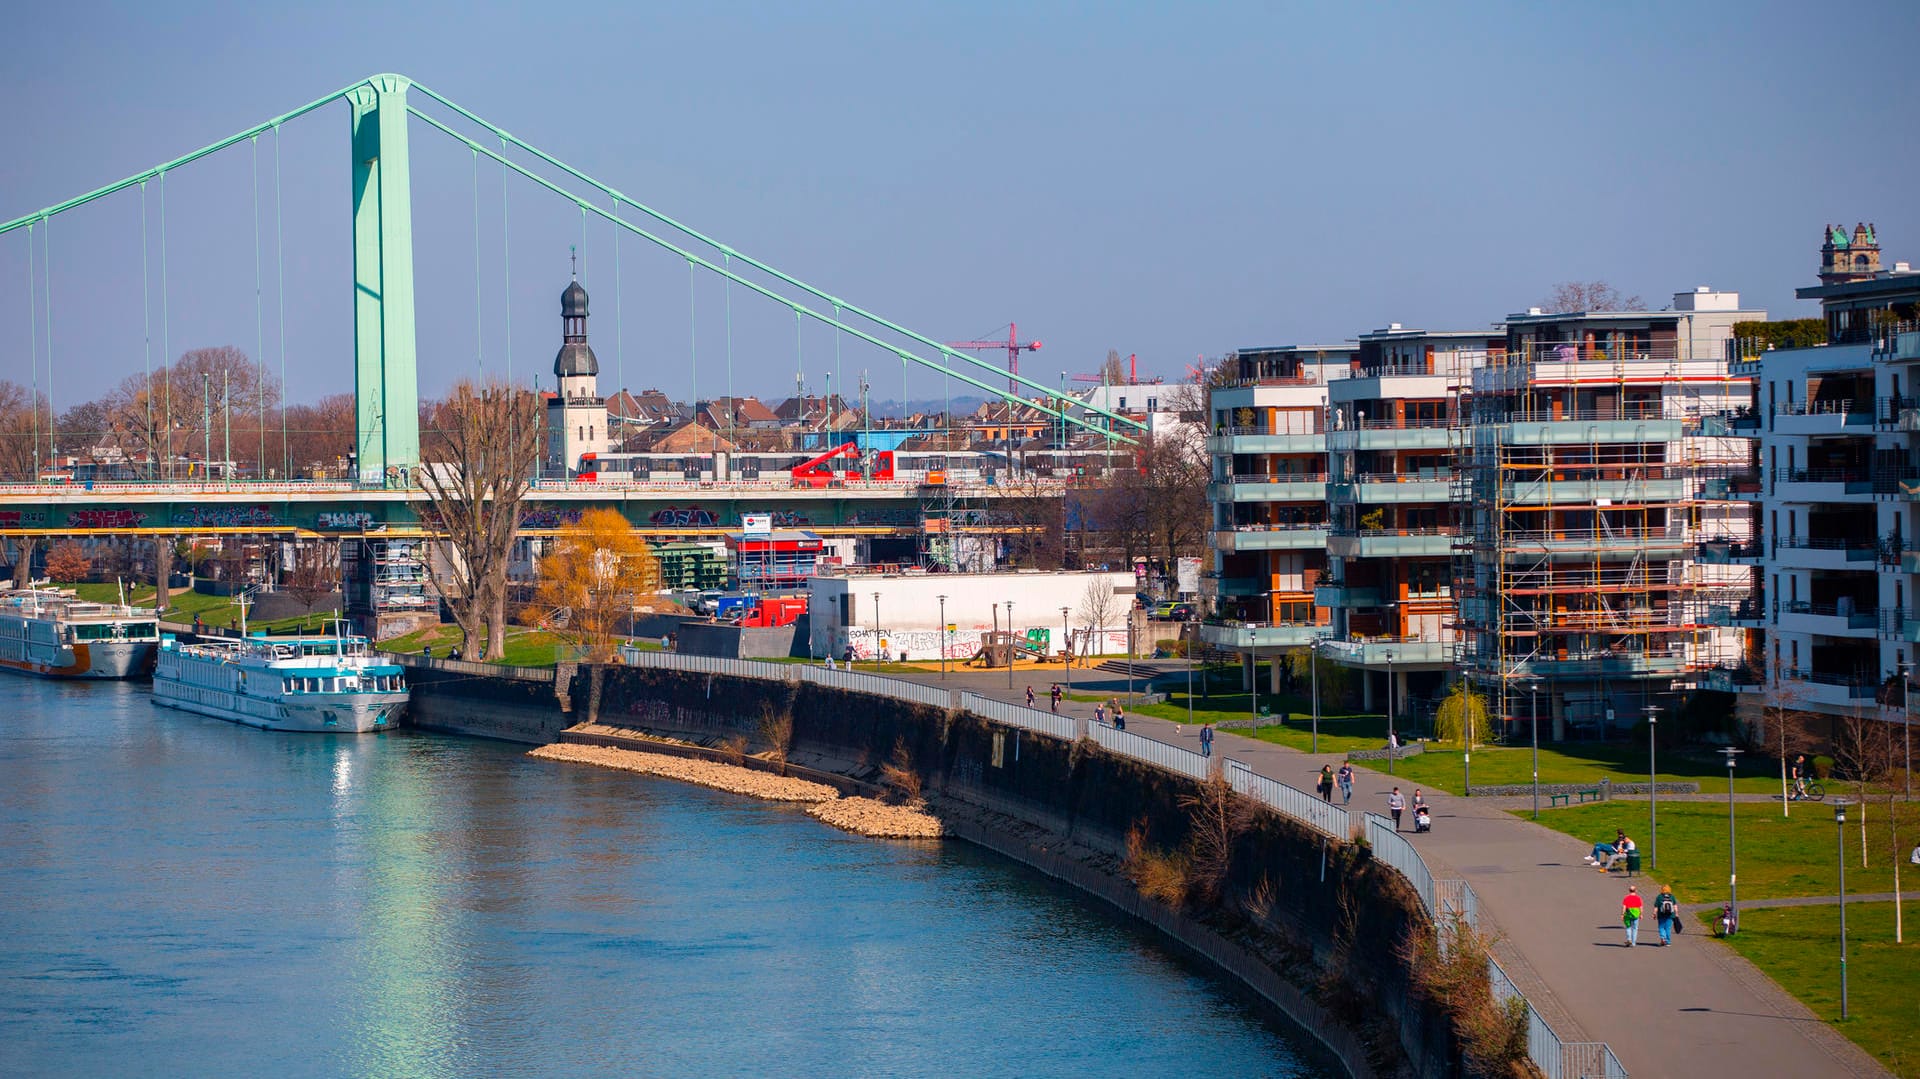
(1422, 816)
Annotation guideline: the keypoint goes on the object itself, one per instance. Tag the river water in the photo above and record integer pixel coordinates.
(189, 897)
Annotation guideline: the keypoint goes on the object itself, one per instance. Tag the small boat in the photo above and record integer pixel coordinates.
(55, 634)
(333, 683)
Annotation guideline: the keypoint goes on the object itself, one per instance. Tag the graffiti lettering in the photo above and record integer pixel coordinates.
(22, 518)
(548, 518)
(225, 517)
(105, 518)
(354, 519)
(692, 516)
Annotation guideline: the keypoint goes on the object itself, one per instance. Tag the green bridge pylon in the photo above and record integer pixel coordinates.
(385, 373)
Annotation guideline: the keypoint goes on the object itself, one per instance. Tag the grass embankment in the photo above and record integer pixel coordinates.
(1799, 947)
(1340, 731)
(140, 595)
(214, 611)
(1583, 763)
(525, 646)
(1778, 857)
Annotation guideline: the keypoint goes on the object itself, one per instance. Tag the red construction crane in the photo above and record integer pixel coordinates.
(1011, 344)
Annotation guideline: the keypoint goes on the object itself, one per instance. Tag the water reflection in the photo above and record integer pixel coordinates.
(191, 897)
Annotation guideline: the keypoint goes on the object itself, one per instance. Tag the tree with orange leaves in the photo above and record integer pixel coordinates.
(591, 581)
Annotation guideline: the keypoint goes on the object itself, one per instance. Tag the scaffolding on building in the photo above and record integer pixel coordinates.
(1578, 572)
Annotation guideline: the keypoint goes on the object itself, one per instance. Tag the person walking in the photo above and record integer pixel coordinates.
(1325, 785)
(1206, 740)
(1099, 713)
(1666, 913)
(1395, 805)
(1119, 717)
(1056, 698)
(1029, 696)
(1630, 914)
(1345, 777)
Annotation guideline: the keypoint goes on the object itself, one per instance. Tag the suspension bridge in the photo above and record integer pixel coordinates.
(385, 112)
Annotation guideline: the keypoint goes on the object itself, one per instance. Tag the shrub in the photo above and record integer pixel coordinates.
(733, 749)
(1160, 875)
(899, 773)
(1449, 968)
(776, 729)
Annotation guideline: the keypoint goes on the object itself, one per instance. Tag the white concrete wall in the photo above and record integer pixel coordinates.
(909, 609)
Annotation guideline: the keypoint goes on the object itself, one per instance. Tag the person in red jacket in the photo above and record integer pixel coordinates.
(1630, 914)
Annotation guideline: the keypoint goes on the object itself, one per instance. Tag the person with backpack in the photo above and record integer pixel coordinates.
(1630, 914)
(1666, 912)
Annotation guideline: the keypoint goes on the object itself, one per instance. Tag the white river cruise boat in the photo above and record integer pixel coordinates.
(323, 683)
(56, 635)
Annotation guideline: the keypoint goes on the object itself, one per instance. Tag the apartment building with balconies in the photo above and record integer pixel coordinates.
(1396, 429)
(1593, 435)
(1269, 498)
(1839, 457)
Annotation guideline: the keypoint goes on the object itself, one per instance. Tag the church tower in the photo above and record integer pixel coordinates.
(1846, 258)
(577, 414)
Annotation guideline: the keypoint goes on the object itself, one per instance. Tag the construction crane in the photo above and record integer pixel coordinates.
(1011, 344)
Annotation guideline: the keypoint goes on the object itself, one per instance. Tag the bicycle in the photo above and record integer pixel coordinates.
(1809, 790)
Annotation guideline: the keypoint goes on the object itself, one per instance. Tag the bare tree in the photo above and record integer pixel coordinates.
(25, 424)
(1096, 610)
(314, 574)
(1113, 371)
(484, 447)
(1783, 726)
(1031, 519)
(1862, 753)
(214, 399)
(1571, 296)
(319, 436)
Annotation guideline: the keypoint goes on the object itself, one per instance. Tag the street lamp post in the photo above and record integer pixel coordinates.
(1653, 789)
(1066, 638)
(1533, 707)
(943, 638)
(1733, 861)
(879, 649)
(1009, 644)
(995, 637)
(1840, 833)
(1187, 647)
(1393, 741)
(1313, 664)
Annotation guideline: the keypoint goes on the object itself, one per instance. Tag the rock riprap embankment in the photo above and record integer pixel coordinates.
(862, 816)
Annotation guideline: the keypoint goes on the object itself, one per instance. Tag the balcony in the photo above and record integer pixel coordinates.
(1403, 653)
(1366, 434)
(1544, 429)
(1823, 417)
(1834, 484)
(1732, 680)
(1743, 488)
(1427, 485)
(1265, 440)
(1828, 552)
(1730, 553)
(1586, 542)
(1900, 625)
(1304, 537)
(1261, 487)
(1214, 585)
(1746, 615)
(1244, 636)
(1839, 619)
(1392, 543)
(1340, 595)
(1829, 688)
(1645, 489)
(1897, 343)
(1733, 423)
(1604, 664)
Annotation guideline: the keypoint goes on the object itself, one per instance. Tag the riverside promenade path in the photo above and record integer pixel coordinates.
(1694, 1009)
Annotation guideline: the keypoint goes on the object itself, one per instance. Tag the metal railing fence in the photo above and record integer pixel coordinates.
(862, 682)
(1065, 728)
(1141, 748)
(1321, 816)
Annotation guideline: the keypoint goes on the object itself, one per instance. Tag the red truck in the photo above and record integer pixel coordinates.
(775, 611)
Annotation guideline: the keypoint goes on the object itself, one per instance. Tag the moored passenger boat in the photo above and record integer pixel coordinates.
(57, 635)
(321, 683)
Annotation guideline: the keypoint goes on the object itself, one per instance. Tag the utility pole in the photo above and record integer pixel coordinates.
(206, 424)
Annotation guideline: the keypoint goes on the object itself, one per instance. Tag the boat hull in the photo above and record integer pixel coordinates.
(311, 713)
(92, 659)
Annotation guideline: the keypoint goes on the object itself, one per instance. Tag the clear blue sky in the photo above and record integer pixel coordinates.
(1167, 180)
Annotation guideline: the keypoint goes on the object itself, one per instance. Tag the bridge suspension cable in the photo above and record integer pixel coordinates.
(146, 330)
(506, 138)
(695, 260)
(259, 317)
(280, 264)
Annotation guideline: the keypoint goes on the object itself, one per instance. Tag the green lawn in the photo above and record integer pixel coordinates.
(109, 592)
(1583, 763)
(1799, 948)
(1778, 857)
(525, 647)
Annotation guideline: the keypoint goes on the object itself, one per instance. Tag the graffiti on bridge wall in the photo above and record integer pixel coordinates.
(225, 517)
(23, 518)
(352, 519)
(700, 517)
(106, 518)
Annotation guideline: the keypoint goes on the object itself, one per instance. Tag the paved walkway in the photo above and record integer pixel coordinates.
(1696, 1008)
